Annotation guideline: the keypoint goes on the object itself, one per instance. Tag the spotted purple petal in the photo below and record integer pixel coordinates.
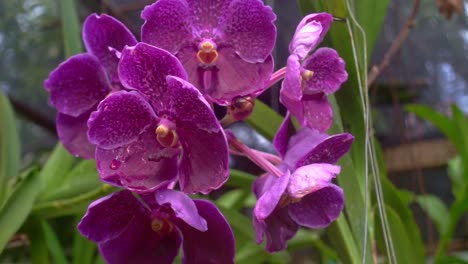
(140, 244)
(309, 33)
(278, 228)
(234, 77)
(204, 162)
(107, 217)
(215, 245)
(144, 68)
(77, 85)
(119, 120)
(318, 209)
(184, 208)
(270, 199)
(248, 26)
(167, 25)
(303, 142)
(311, 178)
(281, 139)
(330, 150)
(318, 113)
(72, 133)
(328, 71)
(140, 166)
(101, 33)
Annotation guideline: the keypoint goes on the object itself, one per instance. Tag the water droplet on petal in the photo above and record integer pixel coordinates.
(115, 164)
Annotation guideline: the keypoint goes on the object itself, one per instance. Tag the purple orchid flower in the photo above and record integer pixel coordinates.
(307, 196)
(162, 131)
(309, 79)
(77, 85)
(128, 231)
(225, 45)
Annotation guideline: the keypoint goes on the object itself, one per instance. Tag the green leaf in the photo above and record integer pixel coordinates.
(307, 238)
(71, 206)
(399, 201)
(18, 206)
(401, 241)
(461, 125)
(70, 27)
(371, 14)
(343, 242)
(81, 179)
(264, 119)
(55, 169)
(83, 249)
(436, 210)
(240, 223)
(37, 247)
(9, 146)
(233, 199)
(240, 179)
(455, 172)
(52, 242)
(442, 122)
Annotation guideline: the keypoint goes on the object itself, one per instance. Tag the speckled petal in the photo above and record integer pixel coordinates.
(119, 120)
(144, 68)
(278, 229)
(102, 32)
(318, 209)
(77, 85)
(270, 199)
(291, 91)
(167, 25)
(281, 139)
(311, 178)
(206, 15)
(184, 208)
(330, 150)
(141, 166)
(204, 163)
(216, 245)
(234, 77)
(140, 244)
(303, 142)
(309, 33)
(72, 132)
(329, 71)
(109, 216)
(318, 113)
(248, 25)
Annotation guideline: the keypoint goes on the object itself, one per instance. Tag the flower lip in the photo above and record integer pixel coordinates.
(166, 134)
(162, 226)
(207, 54)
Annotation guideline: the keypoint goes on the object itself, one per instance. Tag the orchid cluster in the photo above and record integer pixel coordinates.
(144, 111)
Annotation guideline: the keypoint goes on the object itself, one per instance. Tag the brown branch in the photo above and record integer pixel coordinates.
(33, 115)
(396, 44)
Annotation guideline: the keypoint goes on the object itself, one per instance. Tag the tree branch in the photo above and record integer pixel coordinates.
(396, 44)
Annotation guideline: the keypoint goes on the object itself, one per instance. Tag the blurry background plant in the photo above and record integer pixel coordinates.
(418, 57)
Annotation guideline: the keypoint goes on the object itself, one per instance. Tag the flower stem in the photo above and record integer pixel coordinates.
(257, 157)
(276, 77)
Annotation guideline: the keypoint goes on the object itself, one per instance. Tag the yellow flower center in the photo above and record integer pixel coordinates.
(166, 136)
(207, 54)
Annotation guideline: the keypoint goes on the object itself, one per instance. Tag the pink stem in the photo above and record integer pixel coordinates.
(276, 77)
(256, 157)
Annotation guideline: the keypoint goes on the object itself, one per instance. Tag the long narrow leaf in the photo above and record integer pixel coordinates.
(70, 27)
(9, 146)
(83, 249)
(264, 119)
(18, 206)
(56, 250)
